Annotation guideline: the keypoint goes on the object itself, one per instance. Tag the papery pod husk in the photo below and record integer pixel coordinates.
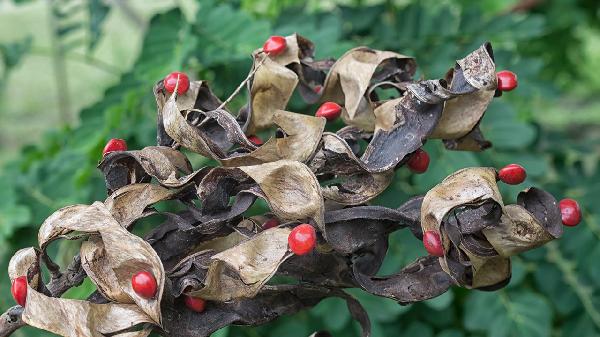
(20, 263)
(469, 186)
(216, 129)
(162, 163)
(124, 253)
(474, 78)
(241, 271)
(270, 90)
(187, 100)
(76, 318)
(274, 82)
(291, 190)
(130, 202)
(72, 318)
(350, 77)
(302, 135)
(359, 188)
(520, 229)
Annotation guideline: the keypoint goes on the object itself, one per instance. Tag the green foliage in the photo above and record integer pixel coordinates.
(553, 290)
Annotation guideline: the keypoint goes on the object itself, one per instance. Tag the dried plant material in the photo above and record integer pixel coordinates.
(130, 203)
(242, 270)
(301, 136)
(124, 253)
(73, 318)
(20, 265)
(466, 186)
(159, 162)
(419, 281)
(270, 90)
(350, 77)
(473, 80)
(529, 225)
(216, 247)
(290, 188)
(197, 96)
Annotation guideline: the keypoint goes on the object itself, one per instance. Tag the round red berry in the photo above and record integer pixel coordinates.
(194, 303)
(19, 290)
(113, 145)
(329, 110)
(302, 239)
(144, 284)
(507, 80)
(570, 212)
(512, 174)
(274, 45)
(170, 82)
(418, 161)
(270, 223)
(255, 140)
(433, 243)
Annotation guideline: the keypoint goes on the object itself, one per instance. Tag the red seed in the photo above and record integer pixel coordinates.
(19, 290)
(318, 88)
(144, 284)
(507, 80)
(329, 110)
(170, 82)
(512, 174)
(273, 222)
(418, 161)
(255, 140)
(570, 212)
(433, 243)
(194, 303)
(274, 45)
(302, 239)
(113, 145)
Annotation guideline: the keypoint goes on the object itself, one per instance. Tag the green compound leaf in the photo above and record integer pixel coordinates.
(506, 314)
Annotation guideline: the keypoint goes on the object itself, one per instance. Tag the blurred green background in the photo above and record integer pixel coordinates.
(75, 73)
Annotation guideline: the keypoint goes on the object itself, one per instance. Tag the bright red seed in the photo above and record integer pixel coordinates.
(194, 303)
(113, 145)
(170, 82)
(507, 80)
(318, 88)
(570, 212)
(512, 174)
(418, 161)
(19, 290)
(144, 284)
(274, 45)
(273, 222)
(302, 239)
(329, 110)
(433, 243)
(255, 140)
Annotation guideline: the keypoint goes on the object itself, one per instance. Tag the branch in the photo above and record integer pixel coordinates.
(11, 320)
